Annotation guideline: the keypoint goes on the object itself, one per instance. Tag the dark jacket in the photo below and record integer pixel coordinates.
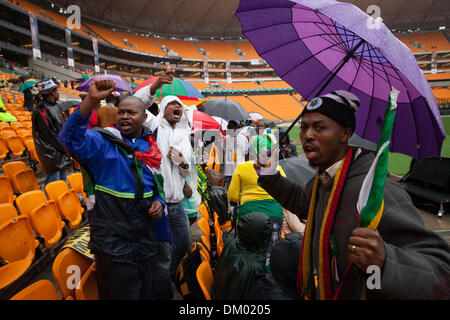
(417, 259)
(47, 120)
(280, 283)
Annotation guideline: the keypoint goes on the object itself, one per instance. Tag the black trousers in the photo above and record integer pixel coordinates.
(120, 279)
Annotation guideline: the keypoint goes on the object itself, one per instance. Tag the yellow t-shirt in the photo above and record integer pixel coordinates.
(244, 186)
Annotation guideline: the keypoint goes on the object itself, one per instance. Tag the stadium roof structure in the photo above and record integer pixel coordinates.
(204, 19)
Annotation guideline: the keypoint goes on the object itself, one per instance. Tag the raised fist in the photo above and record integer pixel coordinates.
(101, 88)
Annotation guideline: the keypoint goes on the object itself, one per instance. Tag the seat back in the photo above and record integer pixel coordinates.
(204, 227)
(69, 264)
(15, 144)
(17, 240)
(87, 290)
(25, 181)
(3, 148)
(76, 182)
(7, 212)
(16, 125)
(67, 200)
(6, 191)
(40, 290)
(43, 214)
(219, 233)
(205, 279)
(206, 249)
(27, 201)
(203, 211)
(11, 167)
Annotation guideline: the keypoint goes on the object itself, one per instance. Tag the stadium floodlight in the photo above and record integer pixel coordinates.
(442, 28)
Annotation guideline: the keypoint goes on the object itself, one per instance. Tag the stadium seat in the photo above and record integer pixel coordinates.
(6, 132)
(15, 144)
(203, 211)
(87, 289)
(6, 191)
(43, 214)
(205, 279)
(25, 180)
(7, 212)
(40, 290)
(12, 167)
(17, 240)
(4, 125)
(16, 126)
(206, 242)
(205, 252)
(67, 200)
(28, 125)
(204, 227)
(107, 116)
(12, 271)
(3, 149)
(66, 258)
(76, 183)
(219, 234)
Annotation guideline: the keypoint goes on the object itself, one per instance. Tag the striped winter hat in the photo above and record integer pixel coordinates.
(339, 105)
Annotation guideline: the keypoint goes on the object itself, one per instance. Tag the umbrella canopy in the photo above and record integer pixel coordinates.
(202, 121)
(66, 105)
(185, 91)
(297, 170)
(357, 141)
(121, 84)
(27, 84)
(225, 108)
(318, 46)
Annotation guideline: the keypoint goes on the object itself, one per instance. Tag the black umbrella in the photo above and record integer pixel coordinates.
(297, 170)
(357, 141)
(66, 105)
(225, 108)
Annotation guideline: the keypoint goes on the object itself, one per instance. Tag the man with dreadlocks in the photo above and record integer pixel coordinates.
(413, 261)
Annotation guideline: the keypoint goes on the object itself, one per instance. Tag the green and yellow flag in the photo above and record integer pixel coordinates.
(371, 197)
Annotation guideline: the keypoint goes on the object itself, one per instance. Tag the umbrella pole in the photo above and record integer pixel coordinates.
(333, 75)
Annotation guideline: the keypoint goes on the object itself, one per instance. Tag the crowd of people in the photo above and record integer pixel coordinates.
(143, 199)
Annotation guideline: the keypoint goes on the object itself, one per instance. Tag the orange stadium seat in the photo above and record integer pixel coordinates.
(3, 149)
(67, 258)
(76, 183)
(185, 49)
(219, 50)
(14, 143)
(219, 233)
(40, 290)
(67, 200)
(12, 167)
(205, 279)
(7, 212)
(6, 191)
(204, 251)
(13, 271)
(17, 240)
(44, 216)
(204, 227)
(25, 180)
(206, 241)
(4, 125)
(87, 289)
(203, 211)
(247, 48)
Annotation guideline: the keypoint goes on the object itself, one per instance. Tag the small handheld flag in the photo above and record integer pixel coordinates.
(371, 197)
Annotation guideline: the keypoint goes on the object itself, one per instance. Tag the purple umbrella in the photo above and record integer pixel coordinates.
(121, 85)
(318, 46)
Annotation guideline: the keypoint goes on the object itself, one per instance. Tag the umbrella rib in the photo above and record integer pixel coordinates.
(371, 99)
(309, 58)
(338, 37)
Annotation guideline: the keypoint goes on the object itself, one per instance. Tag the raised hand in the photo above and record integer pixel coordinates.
(164, 78)
(98, 90)
(365, 248)
(101, 88)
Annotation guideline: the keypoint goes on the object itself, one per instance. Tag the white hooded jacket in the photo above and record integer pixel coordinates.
(167, 137)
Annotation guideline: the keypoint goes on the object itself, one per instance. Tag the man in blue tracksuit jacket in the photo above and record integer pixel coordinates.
(128, 218)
